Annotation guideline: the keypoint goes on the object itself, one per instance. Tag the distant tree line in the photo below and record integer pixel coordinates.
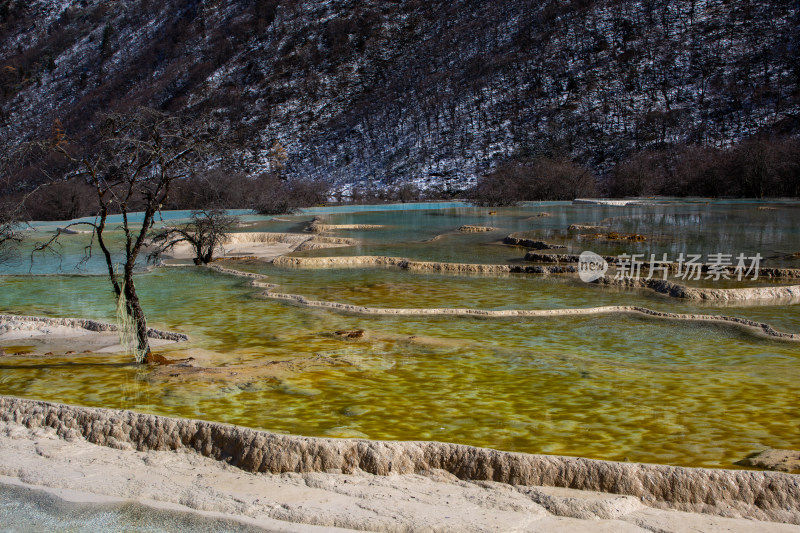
(267, 194)
(214, 189)
(538, 179)
(755, 168)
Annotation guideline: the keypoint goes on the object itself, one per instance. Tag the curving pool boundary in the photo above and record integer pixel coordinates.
(763, 272)
(91, 325)
(270, 288)
(676, 290)
(417, 266)
(734, 493)
(668, 288)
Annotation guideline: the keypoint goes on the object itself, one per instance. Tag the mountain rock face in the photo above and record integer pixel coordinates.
(433, 92)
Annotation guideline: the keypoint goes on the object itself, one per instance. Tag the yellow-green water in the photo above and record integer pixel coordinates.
(611, 387)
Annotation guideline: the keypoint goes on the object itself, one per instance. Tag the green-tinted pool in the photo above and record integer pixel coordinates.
(614, 387)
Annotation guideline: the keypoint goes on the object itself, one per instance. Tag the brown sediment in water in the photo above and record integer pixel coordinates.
(774, 459)
(506, 313)
(263, 373)
(468, 228)
(520, 239)
(749, 494)
(199, 367)
(585, 227)
(615, 236)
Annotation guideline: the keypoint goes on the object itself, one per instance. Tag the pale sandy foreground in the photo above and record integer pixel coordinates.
(77, 470)
(40, 335)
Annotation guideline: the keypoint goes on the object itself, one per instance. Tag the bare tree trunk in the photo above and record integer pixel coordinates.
(140, 154)
(135, 312)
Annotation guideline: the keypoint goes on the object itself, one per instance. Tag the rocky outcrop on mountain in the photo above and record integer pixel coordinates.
(432, 92)
(585, 227)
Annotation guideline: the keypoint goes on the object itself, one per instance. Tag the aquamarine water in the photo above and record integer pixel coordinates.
(608, 386)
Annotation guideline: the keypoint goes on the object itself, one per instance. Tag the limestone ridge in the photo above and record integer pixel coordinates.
(669, 288)
(746, 294)
(92, 325)
(733, 493)
(258, 280)
(763, 272)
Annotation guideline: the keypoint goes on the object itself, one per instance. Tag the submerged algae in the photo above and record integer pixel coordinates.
(613, 387)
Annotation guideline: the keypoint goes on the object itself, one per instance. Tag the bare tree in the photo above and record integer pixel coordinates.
(276, 196)
(11, 225)
(207, 231)
(11, 231)
(541, 179)
(138, 158)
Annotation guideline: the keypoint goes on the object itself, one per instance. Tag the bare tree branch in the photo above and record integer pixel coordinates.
(207, 232)
(138, 157)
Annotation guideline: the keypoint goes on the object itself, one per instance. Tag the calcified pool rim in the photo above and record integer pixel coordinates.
(598, 357)
(751, 494)
(94, 326)
(257, 280)
(766, 294)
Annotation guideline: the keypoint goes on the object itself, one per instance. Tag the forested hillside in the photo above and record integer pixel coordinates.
(432, 92)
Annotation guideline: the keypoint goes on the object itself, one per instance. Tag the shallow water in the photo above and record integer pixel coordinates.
(618, 387)
(24, 510)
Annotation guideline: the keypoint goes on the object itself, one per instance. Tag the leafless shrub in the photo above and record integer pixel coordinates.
(276, 196)
(64, 200)
(541, 179)
(754, 168)
(11, 231)
(205, 232)
(640, 175)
